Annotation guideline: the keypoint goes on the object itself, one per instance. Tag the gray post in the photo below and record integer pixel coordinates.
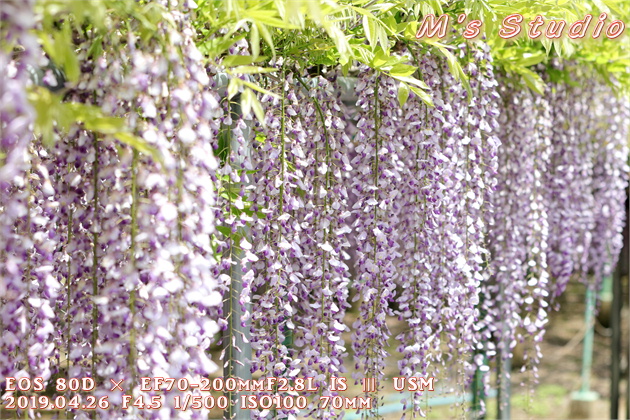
(236, 365)
(615, 325)
(582, 400)
(236, 335)
(504, 366)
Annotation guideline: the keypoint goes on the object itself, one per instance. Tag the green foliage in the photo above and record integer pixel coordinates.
(55, 115)
(347, 32)
(102, 24)
(316, 34)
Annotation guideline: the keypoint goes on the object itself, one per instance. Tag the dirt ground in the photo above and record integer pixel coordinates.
(559, 372)
(560, 369)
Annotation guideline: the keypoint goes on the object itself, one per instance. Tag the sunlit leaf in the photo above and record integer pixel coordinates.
(403, 93)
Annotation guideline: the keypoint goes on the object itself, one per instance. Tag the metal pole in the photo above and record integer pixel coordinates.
(615, 325)
(625, 270)
(585, 394)
(587, 350)
(504, 366)
(237, 333)
(478, 392)
(236, 365)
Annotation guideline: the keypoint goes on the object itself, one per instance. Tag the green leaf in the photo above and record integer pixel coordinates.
(454, 67)
(268, 17)
(223, 143)
(362, 54)
(217, 46)
(59, 48)
(402, 70)
(403, 93)
(250, 102)
(345, 69)
(601, 6)
(422, 95)
(382, 38)
(255, 87)
(410, 31)
(254, 41)
(252, 70)
(224, 230)
(411, 81)
(267, 37)
(93, 118)
(260, 137)
(139, 144)
(370, 30)
(341, 42)
(233, 86)
(246, 102)
(381, 59)
(241, 60)
(533, 80)
(96, 49)
(45, 105)
(258, 109)
(528, 59)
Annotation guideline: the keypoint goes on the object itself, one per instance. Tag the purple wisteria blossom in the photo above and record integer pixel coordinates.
(465, 220)
(376, 174)
(569, 189)
(28, 205)
(610, 179)
(324, 229)
(516, 289)
(276, 235)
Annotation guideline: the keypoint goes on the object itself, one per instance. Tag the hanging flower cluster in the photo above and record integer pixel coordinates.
(610, 179)
(27, 212)
(18, 19)
(276, 235)
(376, 173)
(550, 219)
(126, 234)
(441, 218)
(299, 206)
(516, 289)
(323, 220)
(569, 187)
(581, 222)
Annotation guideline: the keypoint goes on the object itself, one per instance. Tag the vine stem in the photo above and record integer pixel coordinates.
(29, 267)
(69, 296)
(133, 354)
(281, 199)
(95, 171)
(377, 144)
(282, 139)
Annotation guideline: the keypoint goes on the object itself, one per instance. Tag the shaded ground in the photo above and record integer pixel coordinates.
(560, 368)
(559, 372)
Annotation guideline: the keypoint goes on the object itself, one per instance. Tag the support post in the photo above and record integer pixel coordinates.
(236, 365)
(236, 335)
(478, 393)
(587, 350)
(581, 401)
(615, 345)
(504, 367)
